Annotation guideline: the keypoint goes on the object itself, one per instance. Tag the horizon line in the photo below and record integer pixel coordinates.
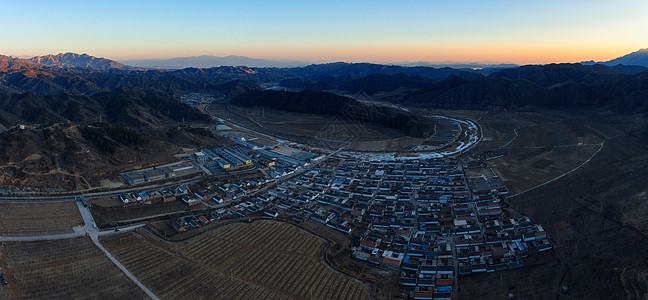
(412, 63)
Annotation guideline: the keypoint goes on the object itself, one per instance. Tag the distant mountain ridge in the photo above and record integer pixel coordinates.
(567, 86)
(77, 60)
(637, 58)
(620, 88)
(61, 60)
(210, 61)
(318, 72)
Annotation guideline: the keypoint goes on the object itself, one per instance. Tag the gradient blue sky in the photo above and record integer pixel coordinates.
(378, 31)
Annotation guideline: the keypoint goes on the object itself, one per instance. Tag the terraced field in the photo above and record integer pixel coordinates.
(261, 260)
(63, 269)
(35, 218)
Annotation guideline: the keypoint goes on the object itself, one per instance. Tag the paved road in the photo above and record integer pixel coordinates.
(88, 220)
(122, 191)
(102, 194)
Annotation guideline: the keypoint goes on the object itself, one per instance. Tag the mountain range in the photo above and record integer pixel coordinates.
(619, 87)
(567, 86)
(637, 58)
(77, 60)
(209, 61)
(61, 60)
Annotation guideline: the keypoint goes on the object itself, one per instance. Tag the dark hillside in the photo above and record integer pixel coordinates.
(126, 106)
(539, 87)
(374, 83)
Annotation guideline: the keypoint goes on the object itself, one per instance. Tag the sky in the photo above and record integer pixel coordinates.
(522, 32)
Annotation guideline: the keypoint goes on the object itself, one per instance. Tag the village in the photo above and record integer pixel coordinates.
(431, 219)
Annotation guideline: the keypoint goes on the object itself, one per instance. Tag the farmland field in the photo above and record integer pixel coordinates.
(262, 260)
(31, 218)
(66, 269)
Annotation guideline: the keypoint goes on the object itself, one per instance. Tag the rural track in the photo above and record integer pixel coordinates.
(515, 130)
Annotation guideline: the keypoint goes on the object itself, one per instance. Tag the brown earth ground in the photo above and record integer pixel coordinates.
(236, 261)
(384, 283)
(62, 269)
(594, 206)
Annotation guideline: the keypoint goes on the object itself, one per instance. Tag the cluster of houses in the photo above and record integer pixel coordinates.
(195, 99)
(152, 197)
(420, 217)
(221, 195)
(188, 222)
(424, 218)
(227, 192)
